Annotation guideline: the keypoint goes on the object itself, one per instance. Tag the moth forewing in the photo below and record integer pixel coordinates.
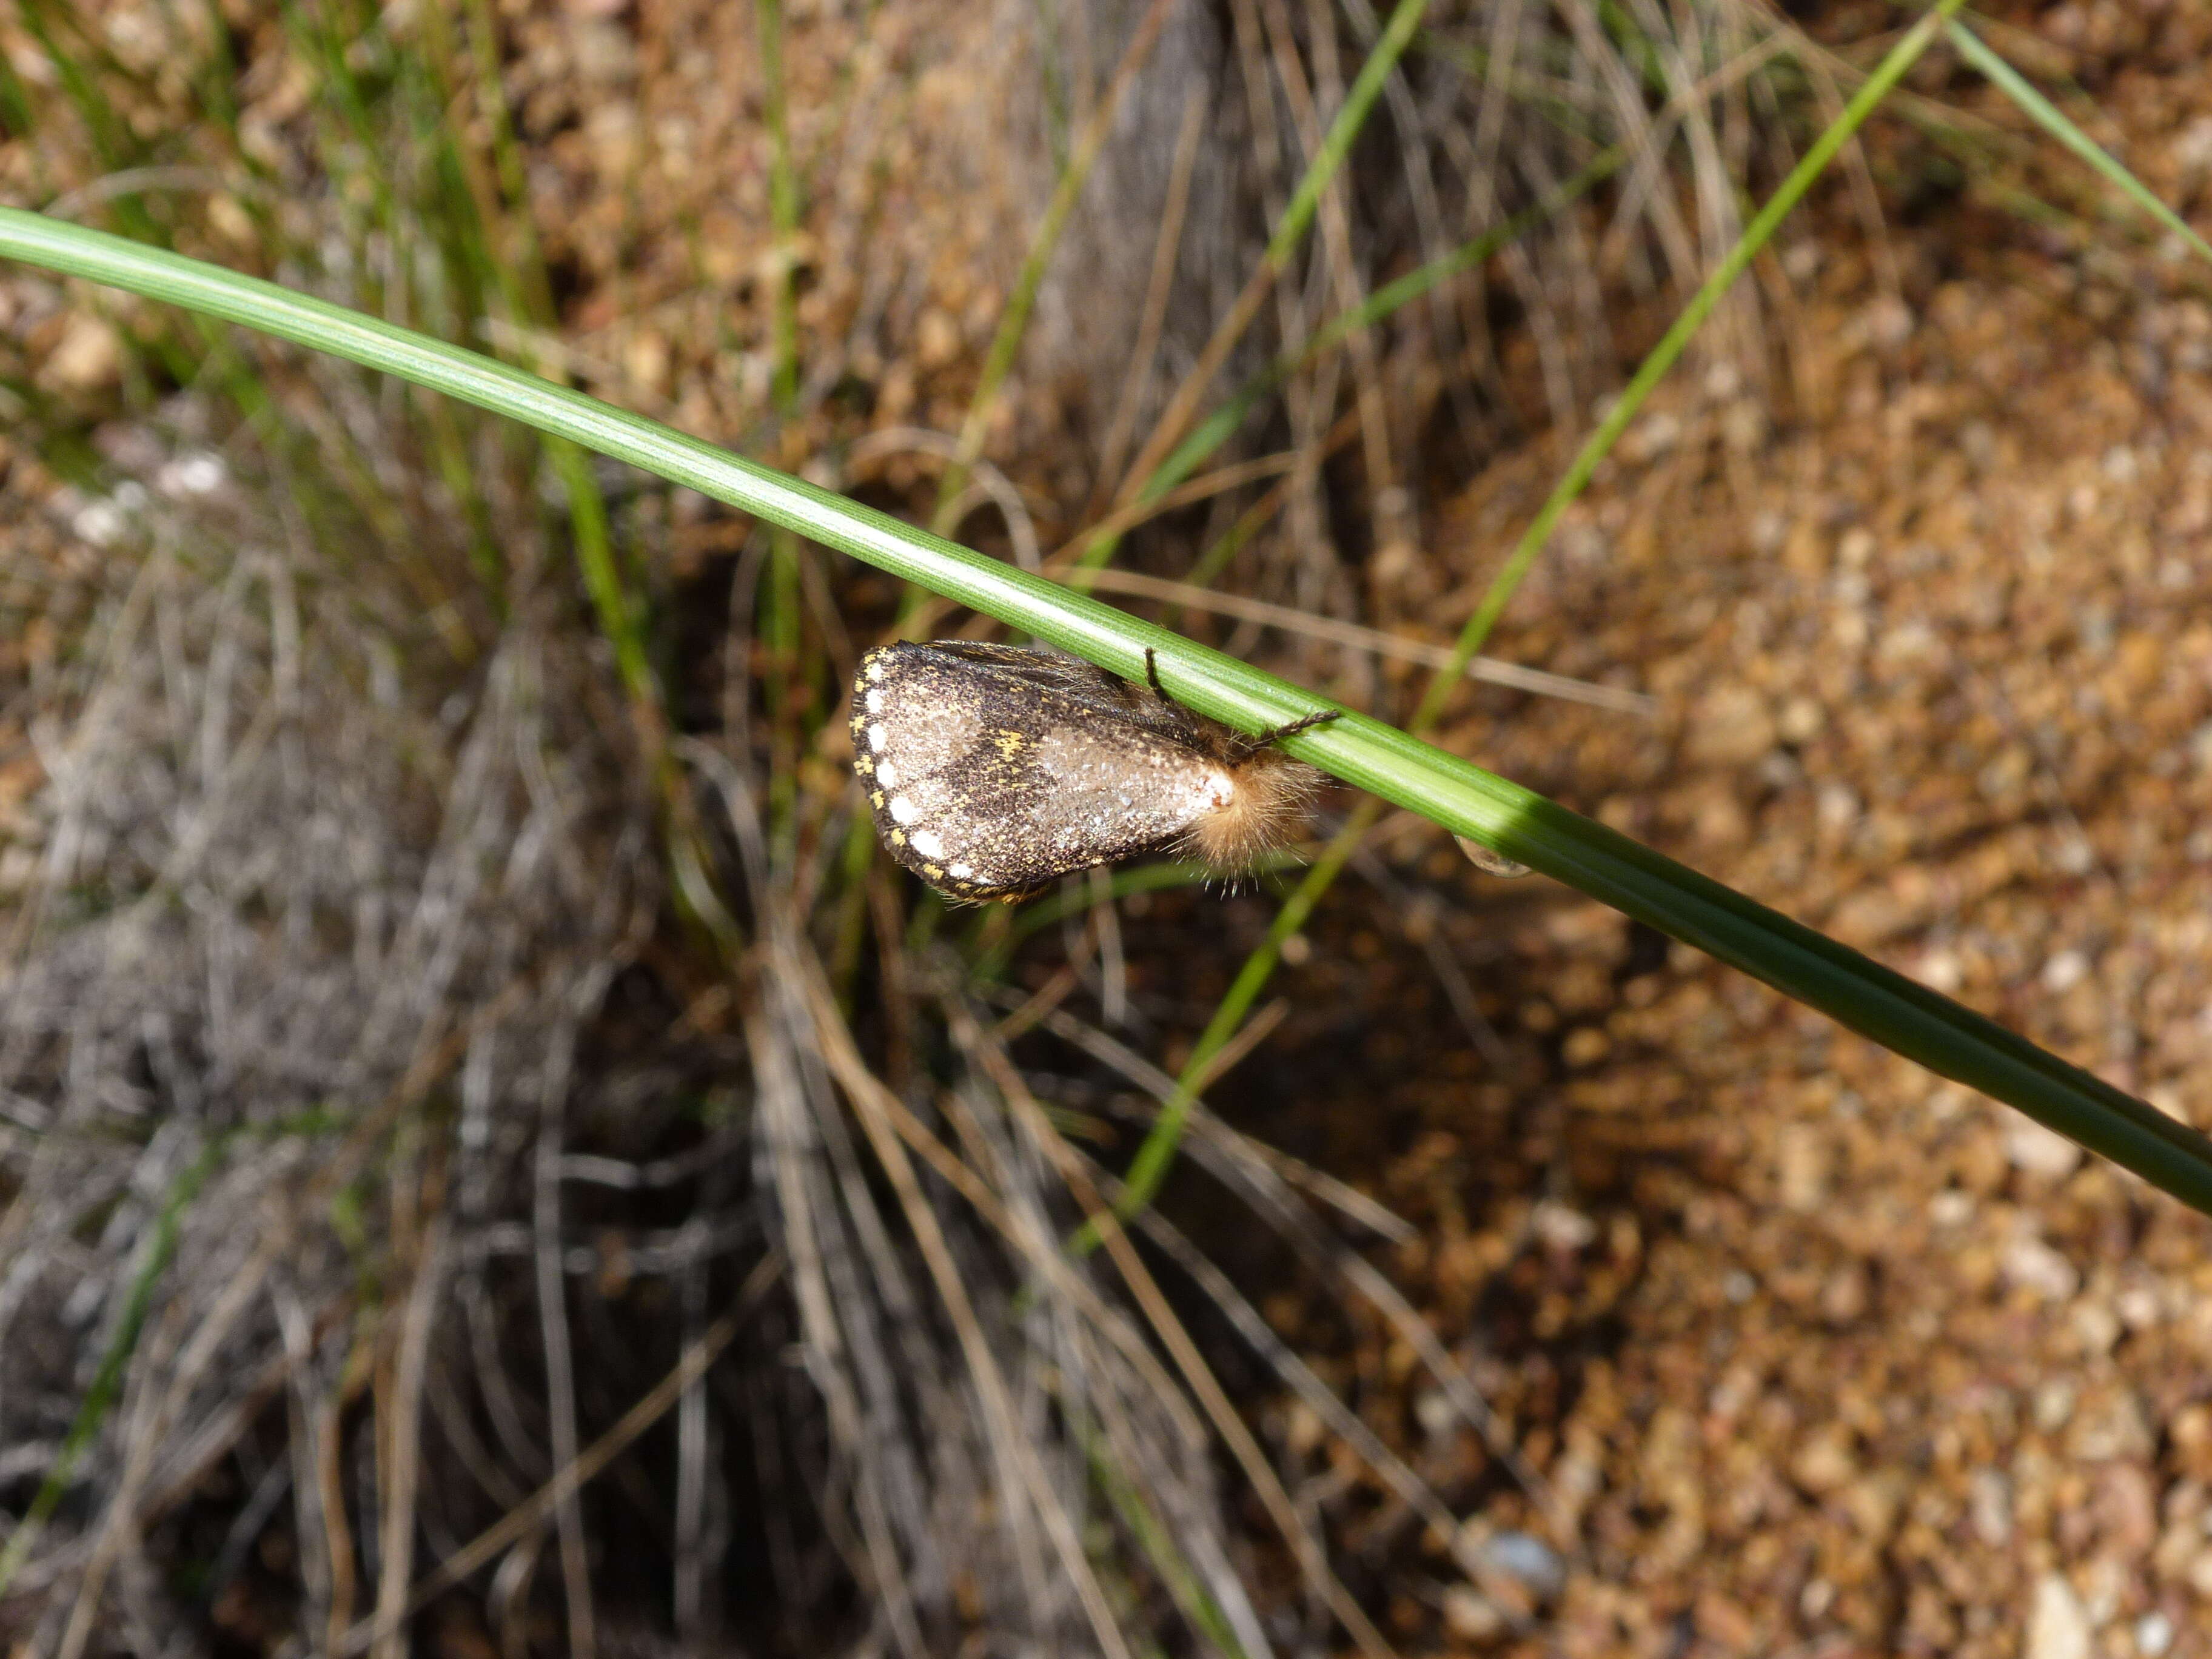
(992, 770)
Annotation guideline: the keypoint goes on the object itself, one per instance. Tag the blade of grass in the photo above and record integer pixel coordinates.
(787, 677)
(1049, 910)
(107, 1382)
(100, 1397)
(516, 273)
(1013, 321)
(1159, 1542)
(1663, 356)
(783, 204)
(514, 270)
(2047, 115)
(1290, 231)
(1864, 996)
(1218, 427)
(1157, 1153)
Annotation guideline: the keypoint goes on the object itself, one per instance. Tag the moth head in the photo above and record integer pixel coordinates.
(1260, 800)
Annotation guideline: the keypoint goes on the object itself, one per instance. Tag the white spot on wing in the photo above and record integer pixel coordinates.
(875, 701)
(875, 670)
(886, 774)
(962, 872)
(929, 841)
(877, 737)
(903, 809)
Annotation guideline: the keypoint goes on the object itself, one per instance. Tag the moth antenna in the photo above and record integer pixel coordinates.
(1242, 748)
(1246, 747)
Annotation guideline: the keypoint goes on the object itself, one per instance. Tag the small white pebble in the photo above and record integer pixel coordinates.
(1470, 1615)
(99, 523)
(2030, 1146)
(2065, 970)
(1528, 1558)
(2058, 1628)
(199, 473)
(2033, 1265)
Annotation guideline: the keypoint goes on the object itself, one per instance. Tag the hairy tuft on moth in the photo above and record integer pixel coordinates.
(992, 770)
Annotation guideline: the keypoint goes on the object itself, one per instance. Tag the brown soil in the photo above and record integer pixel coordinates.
(1828, 1355)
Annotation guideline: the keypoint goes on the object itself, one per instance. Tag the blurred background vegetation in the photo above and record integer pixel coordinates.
(494, 1160)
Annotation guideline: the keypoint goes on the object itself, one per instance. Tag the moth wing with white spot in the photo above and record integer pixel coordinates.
(992, 771)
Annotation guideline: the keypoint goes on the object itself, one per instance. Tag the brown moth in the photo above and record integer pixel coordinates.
(992, 771)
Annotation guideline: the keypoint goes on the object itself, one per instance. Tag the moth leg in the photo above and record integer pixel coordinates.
(1274, 734)
(1152, 677)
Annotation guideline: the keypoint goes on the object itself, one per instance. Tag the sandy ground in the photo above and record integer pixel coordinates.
(1827, 1355)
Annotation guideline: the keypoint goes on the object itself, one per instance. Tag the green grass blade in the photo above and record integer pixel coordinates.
(1221, 425)
(106, 1384)
(1290, 231)
(783, 206)
(1867, 997)
(1157, 1154)
(1663, 356)
(1014, 320)
(2054, 120)
(2047, 115)
(1336, 143)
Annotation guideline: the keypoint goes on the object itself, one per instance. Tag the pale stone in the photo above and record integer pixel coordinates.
(2058, 1628)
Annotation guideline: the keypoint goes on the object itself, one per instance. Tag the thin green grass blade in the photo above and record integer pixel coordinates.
(1298, 218)
(100, 1397)
(990, 960)
(516, 273)
(1664, 355)
(782, 629)
(1217, 429)
(1158, 1540)
(1336, 144)
(783, 206)
(106, 1385)
(1155, 1155)
(2047, 115)
(1867, 997)
(1014, 320)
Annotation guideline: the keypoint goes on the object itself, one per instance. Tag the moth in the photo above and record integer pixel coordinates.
(992, 771)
